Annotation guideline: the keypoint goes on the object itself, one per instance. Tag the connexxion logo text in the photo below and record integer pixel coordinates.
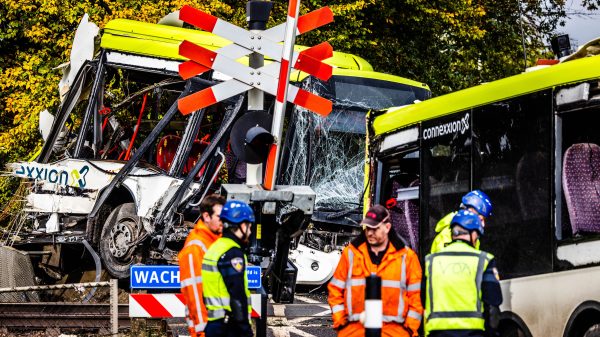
(460, 125)
(54, 175)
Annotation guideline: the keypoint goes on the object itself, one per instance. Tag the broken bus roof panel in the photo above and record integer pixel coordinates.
(163, 41)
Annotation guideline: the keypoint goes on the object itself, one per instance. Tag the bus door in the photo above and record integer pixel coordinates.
(397, 183)
(446, 169)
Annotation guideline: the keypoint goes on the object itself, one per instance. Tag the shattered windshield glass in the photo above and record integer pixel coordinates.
(328, 154)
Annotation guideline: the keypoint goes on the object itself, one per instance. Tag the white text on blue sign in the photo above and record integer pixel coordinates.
(155, 277)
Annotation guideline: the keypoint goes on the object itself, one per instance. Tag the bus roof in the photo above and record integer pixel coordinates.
(557, 75)
(372, 75)
(163, 41)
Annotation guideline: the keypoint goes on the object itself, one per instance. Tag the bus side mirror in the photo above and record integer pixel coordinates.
(46, 120)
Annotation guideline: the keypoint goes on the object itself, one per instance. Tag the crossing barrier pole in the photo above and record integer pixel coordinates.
(373, 307)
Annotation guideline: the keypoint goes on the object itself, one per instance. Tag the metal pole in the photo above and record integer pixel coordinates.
(522, 35)
(257, 14)
(373, 307)
(114, 307)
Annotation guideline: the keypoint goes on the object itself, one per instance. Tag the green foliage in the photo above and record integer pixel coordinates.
(450, 45)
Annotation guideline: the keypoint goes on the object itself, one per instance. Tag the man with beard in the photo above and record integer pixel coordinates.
(377, 251)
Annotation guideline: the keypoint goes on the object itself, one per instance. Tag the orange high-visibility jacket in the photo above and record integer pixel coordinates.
(400, 273)
(190, 276)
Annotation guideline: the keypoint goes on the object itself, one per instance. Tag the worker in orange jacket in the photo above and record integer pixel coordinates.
(207, 230)
(377, 250)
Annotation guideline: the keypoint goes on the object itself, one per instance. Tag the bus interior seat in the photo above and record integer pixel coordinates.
(236, 168)
(165, 151)
(405, 215)
(581, 185)
(197, 148)
(532, 202)
(167, 147)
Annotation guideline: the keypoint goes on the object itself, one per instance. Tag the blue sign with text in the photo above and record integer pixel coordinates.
(254, 279)
(154, 277)
(167, 277)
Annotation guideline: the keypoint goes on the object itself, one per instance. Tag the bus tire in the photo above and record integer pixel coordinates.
(512, 330)
(122, 227)
(593, 331)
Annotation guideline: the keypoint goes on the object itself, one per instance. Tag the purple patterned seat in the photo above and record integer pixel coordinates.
(581, 185)
(236, 174)
(405, 216)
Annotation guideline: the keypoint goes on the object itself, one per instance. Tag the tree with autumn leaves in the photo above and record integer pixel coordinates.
(449, 44)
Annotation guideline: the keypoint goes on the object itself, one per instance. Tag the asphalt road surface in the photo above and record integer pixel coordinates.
(307, 317)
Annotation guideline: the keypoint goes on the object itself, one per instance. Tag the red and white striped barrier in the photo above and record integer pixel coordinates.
(156, 305)
(171, 305)
(256, 305)
(282, 94)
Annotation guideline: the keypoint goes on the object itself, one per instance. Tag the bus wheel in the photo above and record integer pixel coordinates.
(511, 330)
(593, 331)
(119, 233)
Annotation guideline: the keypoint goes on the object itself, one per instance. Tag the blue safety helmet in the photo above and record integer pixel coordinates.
(467, 220)
(479, 201)
(235, 212)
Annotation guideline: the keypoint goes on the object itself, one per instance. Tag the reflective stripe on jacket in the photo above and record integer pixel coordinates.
(400, 274)
(216, 295)
(453, 293)
(190, 275)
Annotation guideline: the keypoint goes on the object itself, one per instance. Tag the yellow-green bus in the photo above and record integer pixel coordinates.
(531, 142)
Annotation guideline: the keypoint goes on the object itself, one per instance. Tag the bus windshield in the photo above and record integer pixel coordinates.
(367, 93)
(328, 153)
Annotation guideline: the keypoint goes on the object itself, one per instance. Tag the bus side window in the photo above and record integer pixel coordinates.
(580, 215)
(513, 168)
(581, 186)
(533, 205)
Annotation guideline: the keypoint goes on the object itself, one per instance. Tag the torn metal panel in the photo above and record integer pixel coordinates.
(152, 191)
(82, 50)
(60, 203)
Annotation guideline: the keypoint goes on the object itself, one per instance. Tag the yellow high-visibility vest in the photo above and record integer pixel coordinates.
(453, 289)
(216, 295)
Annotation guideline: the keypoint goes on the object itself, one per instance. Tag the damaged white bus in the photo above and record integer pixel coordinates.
(121, 171)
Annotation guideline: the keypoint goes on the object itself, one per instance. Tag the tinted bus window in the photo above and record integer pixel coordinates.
(374, 94)
(512, 163)
(446, 156)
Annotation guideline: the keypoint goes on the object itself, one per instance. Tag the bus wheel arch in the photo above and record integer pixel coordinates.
(118, 196)
(584, 321)
(511, 325)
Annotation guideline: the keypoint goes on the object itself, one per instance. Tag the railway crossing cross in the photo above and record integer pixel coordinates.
(272, 78)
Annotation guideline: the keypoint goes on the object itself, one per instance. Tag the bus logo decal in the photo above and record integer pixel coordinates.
(53, 175)
(461, 125)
